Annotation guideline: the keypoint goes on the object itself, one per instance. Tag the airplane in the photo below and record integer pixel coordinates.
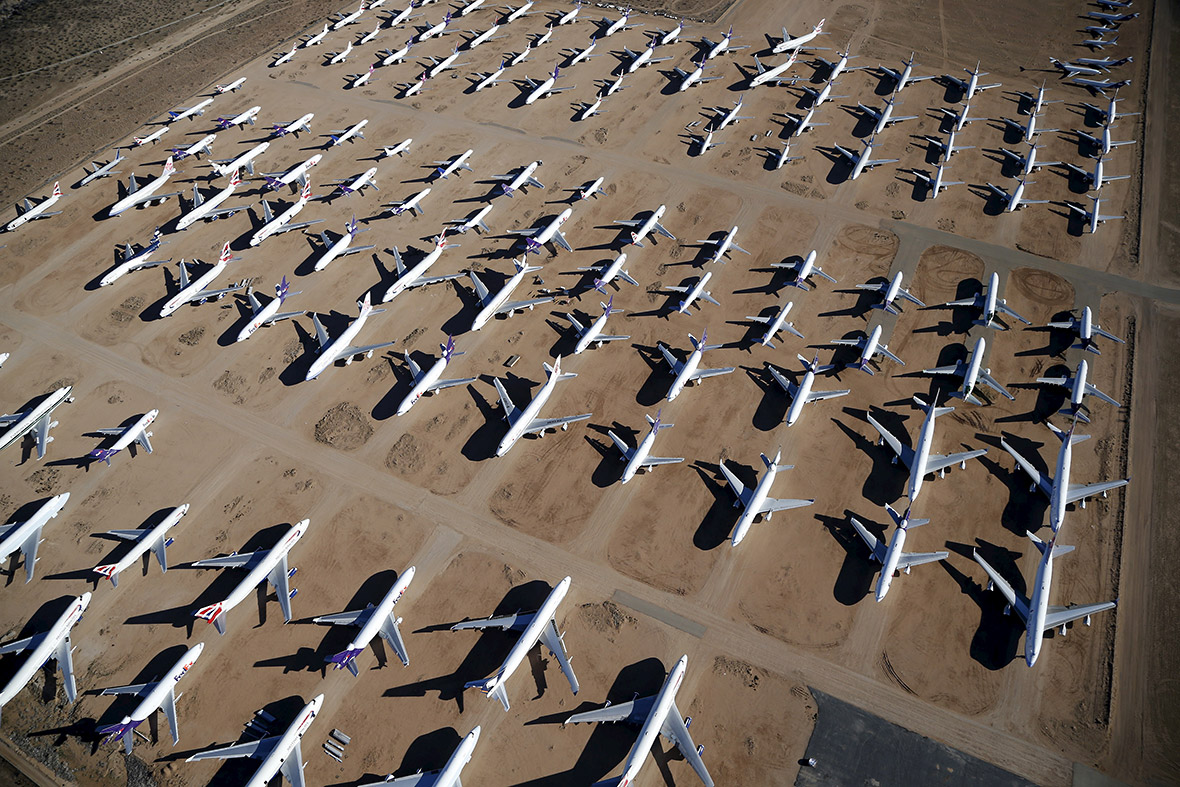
(525, 422)
(731, 115)
(36, 418)
(671, 35)
(373, 621)
(657, 716)
(444, 169)
(517, 13)
(146, 194)
(340, 136)
(440, 66)
(495, 305)
(428, 382)
(618, 25)
(153, 137)
(990, 304)
(276, 225)
(1110, 113)
(870, 345)
(103, 170)
(1070, 70)
(610, 272)
(1104, 16)
(509, 183)
(369, 36)
(519, 58)
(860, 162)
(775, 324)
(391, 57)
(398, 149)
(610, 87)
(1015, 201)
(920, 462)
(26, 536)
(231, 87)
(936, 184)
(1038, 614)
(542, 89)
(1099, 43)
(1028, 162)
(413, 88)
(204, 145)
(1097, 177)
(1086, 331)
(1092, 217)
(721, 47)
(781, 157)
(884, 116)
(535, 238)
(639, 459)
(195, 291)
(207, 208)
(447, 776)
(189, 112)
(723, 246)
(540, 40)
(357, 184)
(971, 86)
(592, 334)
(1099, 85)
(135, 260)
(804, 270)
(1029, 130)
(489, 79)
(279, 753)
(413, 204)
(692, 293)
(756, 501)
(820, 96)
(948, 148)
(470, 6)
(539, 626)
(285, 57)
(891, 291)
(475, 222)
(297, 174)
(959, 120)
(294, 127)
(237, 120)
(567, 17)
(340, 349)
(688, 371)
(578, 55)
(341, 247)
(30, 212)
(269, 564)
(838, 67)
(904, 77)
(156, 539)
(51, 644)
(1079, 388)
(348, 19)
(690, 78)
(401, 16)
(1058, 489)
(246, 160)
(802, 393)
(590, 108)
(269, 314)
(1104, 63)
(414, 276)
(125, 436)
(593, 190)
(788, 43)
(646, 57)
(439, 29)
(705, 142)
(157, 695)
(318, 37)
(892, 558)
(640, 229)
(1102, 145)
(972, 373)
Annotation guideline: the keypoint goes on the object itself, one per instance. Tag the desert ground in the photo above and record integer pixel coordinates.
(252, 447)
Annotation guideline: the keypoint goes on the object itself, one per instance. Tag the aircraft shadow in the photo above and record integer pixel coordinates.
(855, 578)
(994, 644)
(483, 442)
(716, 526)
(655, 388)
(886, 481)
(772, 407)
(611, 465)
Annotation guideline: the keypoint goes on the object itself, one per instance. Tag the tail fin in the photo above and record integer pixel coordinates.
(235, 178)
(57, 188)
(305, 195)
(345, 659)
(215, 614)
(169, 167)
(110, 572)
(281, 290)
(491, 687)
(103, 454)
(225, 254)
(903, 520)
(366, 305)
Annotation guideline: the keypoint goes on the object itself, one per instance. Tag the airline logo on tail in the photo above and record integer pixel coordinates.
(211, 612)
(600, 286)
(366, 305)
(225, 254)
(56, 189)
(609, 301)
(304, 195)
(281, 289)
(108, 572)
(449, 348)
(115, 732)
(819, 29)
(345, 660)
(235, 179)
(103, 454)
(169, 167)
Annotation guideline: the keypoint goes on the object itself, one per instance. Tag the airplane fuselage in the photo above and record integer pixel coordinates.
(547, 234)
(160, 691)
(483, 37)
(488, 312)
(286, 744)
(328, 354)
(43, 408)
(382, 611)
(520, 180)
(635, 464)
(889, 564)
(532, 632)
(592, 333)
(647, 226)
(541, 90)
(44, 651)
(490, 79)
(241, 161)
(428, 378)
(1038, 607)
(193, 111)
(407, 279)
(971, 375)
(273, 557)
(333, 251)
(412, 202)
(40, 208)
(590, 190)
(921, 455)
(691, 79)
(800, 400)
(776, 324)
(694, 293)
(640, 59)
(144, 543)
(761, 491)
(19, 534)
(650, 730)
(132, 433)
(516, 430)
(870, 348)
(690, 366)
(206, 207)
(278, 222)
(139, 197)
(350, 133)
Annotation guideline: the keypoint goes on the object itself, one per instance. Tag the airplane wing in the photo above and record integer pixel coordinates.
(701, 374)
(279, 579)
(356, 249)
(1003, 309)
(65, 661)
(1041, 480)
(441, 384)
(515, 306)
(143, 440)
(553, 641)
(626, 450)
(676, 730)
(991, 382)
(205, 295)
(1016, 601)
(538, 425)
(737, 486)
(936, 462)
(1093, 391)
(634, 712)
(972, 301)
(874, 287)
(108, 432)
(904, 452)
(770, 505)
(818, 396)
(1083, 491)
(875, 545)
(660, 229)
(518, 621)
(879, 161)
(29, 550)
(652, 461)
(292, 767)
(955, 368)
(227, 212)
(243, 560)
(295, 226)
(321, 335)
(1059, 616)
(356, 617)
(21, 645)
(480, 290)
(393, 635)
(910, 559)
(41, 435)
(609, 338)
(258, 749)
(135, 688)
(628, 223)
(422, 281)
(560, 240)
(906, 293)
(708, 296)
(671, 359)
(354, 350)
(511, 411)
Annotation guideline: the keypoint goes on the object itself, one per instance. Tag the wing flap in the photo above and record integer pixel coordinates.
(556, 646)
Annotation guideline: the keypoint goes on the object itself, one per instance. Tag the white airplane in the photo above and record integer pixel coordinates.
(804, 270)
(776, 323)
(804, 122)
(731, 115)
(892, 558)
(36, 418)
(535, 238)
(510, 183)
(990, 305)
(1028, 162)
(1028, 130)
(315, 39)
(592, 334)
(189, 112)
(591, 108)
(722, 46)
(757, 501)
(195, 291)
(237, 120)
(884, 116)
(1068, 69)
(297, 174)
(146, 194)
(1058, 488)
(671, 35)
(1102, 145)
(890, 292)
(495, 305)
(1099, 42)
(818, 97)
(475, 222)
(407, 279)
(516, 13)
(442, 65)
(391, 57)
(972, 373)
(723, 246)
(1097, 177)
(340, 348)
(401, 16)
(646, 57)
(870, 345)
(372, 622)
(30, 212)
(519, 58)
(611, 86)
(838, 67)
(1038, 614)
(937, 184)
(657, 716)
(802, 393)
(690, 78)
(264, 564)
(1115, 18)
(484, 37)
(1086, 331)
(971, 86)
(593, 190)
(369, 36)
(525, 422)
(102, 170)
(413, 204)
(705, 142)
(357, 184)
(153, 137)
(540, 40)
(428, 382)
(1015, 201)
(470, 6)
(269, 314)
(1037, 100)
(26, 536)
(618, 25)
(135, 260)
(862, 161)
(444, 169)
(569, 16)
(611, 271)
(435, 30)
(448, 776)
(275, 225)
(230, 87)
(920, 462)
(155, 539)
(244, 161)
(125, 435)
(639, 458)
(691, 294)
(342, 246)
(539, 626)
(285, 57)
(959, 120)
(398, 149)
(542, 89)
(348, 19)
(413, 88)
(904, 77)
(294, 127)
(207, 209)
(1099, 85)
(788, 43)
(1092, 217)
(51, 644)
(154, 696)
(640, 229)
(279, 753)
(351, 134)
(1110, 113)
(489, 79)
(688, 371)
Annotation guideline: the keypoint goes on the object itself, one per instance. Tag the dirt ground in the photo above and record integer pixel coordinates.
(251, 446)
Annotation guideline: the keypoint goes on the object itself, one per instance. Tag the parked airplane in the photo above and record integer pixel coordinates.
(1068, 69)
(1039, 616)
(341, 247)
(919, 461)
(578, 55)
(230, 87)
(489, 79)
(936, 184)
(1099, 86)
(524, 422)
(892, 558)
(294, 127)
(348, 19)
(269, 314)
(721, 47)
(723, 246)
(196, 291)
(592, 334)
(780, 157)
(904, 77)
(618, 25)
(245, 160)
(444, 169)
(341, 348)
(407, 279)
(1028, 162)
(972, 373)
(641, 229)
(1079, 389)
(495, 305)
(135, 260)
(756, 501)
(705, 142)
(239, 119)
(285, 57)
(102, 170)
(154, 696)
(542, 89)
(593, 190)
(948, 147)
(802, 393)
(351, 134)
(646, 57)
(639, 459)
(1102, 145)
(1086, 331)
(357, 184)
(890, 292)
(30, 212)
(1097, 177)
(447, 776)
(510, 183)
(772, 74)
(146, 194)
(690, 78)
(1028, 130)
(474, 222)
(959, 121)
(153, 137)
(1092, 217)
(315, 39)
(539, 626)
(412, 204)
(567, 17)
(398, 149)
(336, 58)
(668, 37)
(470, 6)
(524, 10)
(688, 371)
(26, 536)
(440, 66)
(804, 270)
(788, 43)
(775, 324)
(870, 345)
(691, 293)
(359, 80)
(125, 436)
(279, 753)
(971, 86)
(838, 67)
(36, 418)
(611, 271)
(820, 96)
(1110, 113)
(439, 29)
(53, 643)
(402, 16)
(658, 716)
(428, 382)
(155, 539)
(990, 305)
(275, 225)
(862, 161)
(389, 57)
(207, 209)
(884, 116)
(372, 622)
(189, 112)
(536, 237)
(1015, 201)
